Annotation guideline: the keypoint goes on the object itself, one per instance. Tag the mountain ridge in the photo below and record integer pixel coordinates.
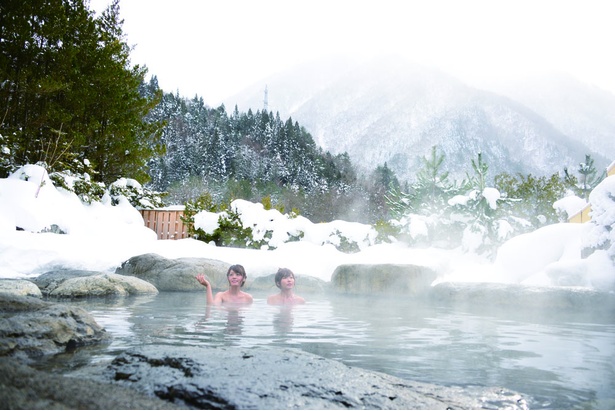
(389, 110)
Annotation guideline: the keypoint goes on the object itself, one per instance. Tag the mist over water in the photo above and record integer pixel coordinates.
(558, 354)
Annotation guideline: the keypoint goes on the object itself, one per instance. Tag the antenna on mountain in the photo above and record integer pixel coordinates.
(265, 101)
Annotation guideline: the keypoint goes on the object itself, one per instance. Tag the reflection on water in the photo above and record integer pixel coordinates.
(558, 359)
(283, 321)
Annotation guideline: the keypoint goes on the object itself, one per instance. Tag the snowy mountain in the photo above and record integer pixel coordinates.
(390, 110)
(584, 112)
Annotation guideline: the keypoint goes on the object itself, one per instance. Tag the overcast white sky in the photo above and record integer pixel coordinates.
(217, 48)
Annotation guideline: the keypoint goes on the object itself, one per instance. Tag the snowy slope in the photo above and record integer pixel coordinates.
(584, 112)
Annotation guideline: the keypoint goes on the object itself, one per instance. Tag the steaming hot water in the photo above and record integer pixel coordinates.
(558, 359)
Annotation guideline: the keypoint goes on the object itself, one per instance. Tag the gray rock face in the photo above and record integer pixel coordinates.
(24, 388)
(382, 278)
(30, 327)
(276, 378)
(519, 296)
(52, 279)
(175, 274)
(103, 285)
(20, 287)
(80, 284)
(303, 284)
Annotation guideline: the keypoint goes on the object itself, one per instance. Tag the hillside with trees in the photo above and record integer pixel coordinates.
(244, 155)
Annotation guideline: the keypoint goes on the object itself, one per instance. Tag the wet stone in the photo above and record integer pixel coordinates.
(276, 378)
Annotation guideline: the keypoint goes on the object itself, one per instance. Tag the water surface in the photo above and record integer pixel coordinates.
(559, 359)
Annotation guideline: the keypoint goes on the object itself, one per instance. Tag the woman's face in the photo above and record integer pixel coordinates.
(287, 283)
(234, 278)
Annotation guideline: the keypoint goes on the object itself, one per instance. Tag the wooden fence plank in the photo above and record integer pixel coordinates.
(167, 223)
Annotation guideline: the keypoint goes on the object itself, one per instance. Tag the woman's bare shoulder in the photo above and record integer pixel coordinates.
(274, 299)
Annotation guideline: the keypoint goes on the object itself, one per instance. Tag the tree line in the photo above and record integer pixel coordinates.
(253, 155)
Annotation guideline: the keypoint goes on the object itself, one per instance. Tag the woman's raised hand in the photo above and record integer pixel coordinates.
(201, 279)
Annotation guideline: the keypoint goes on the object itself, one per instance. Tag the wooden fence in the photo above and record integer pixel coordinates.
(166, 223)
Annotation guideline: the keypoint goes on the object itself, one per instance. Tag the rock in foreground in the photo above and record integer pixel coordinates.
(30, 327)
(24, 388)
(278, 378)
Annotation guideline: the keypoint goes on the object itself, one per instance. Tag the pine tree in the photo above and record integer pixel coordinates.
(588, 178)
(486, 226)
(531, 198)
(432, 188)
(426, 200)
(383, 180)
(69, 90)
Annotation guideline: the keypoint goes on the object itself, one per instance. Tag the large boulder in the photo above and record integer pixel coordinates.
(31, 327)
(25, 388)
(104, 285)
(404, 279)
(283, 378)
(494, 296)
(20, 287)
(304, 284)
(79, 284)
(175, 274)
(52, 279)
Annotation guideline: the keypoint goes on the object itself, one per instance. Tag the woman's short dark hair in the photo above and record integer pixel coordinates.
(282, 273)
(238, 268)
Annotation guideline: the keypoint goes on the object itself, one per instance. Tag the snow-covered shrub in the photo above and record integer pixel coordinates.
(246, 224)
(415, 229)
(203, 204)
(343, 243)
(232, 233)
(6, 156)
(139, 196)
(568, 205)
(79, 181)
(222, 225)
(388, 231)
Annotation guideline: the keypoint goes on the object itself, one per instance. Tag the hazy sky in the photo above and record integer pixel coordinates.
(217, 48)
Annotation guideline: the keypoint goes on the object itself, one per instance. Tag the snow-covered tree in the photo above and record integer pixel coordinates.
(530, 199)
(420, 213)
(588, 177)
(485, 225)
(602, 200)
